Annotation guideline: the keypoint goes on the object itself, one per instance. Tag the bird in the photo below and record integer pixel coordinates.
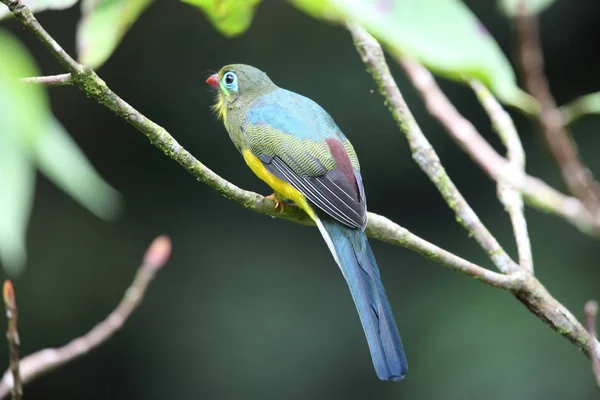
(296, 148)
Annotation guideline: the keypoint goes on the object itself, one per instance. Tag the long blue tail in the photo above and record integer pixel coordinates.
(352, 252)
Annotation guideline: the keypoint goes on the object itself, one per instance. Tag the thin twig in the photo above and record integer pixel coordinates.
(587, 104)
(12, 335)
(535, 191)
(576, 175)
(508, 195)
(50, 81)
(591, 312)
(46, 360)
(423, 153)
(385, 230)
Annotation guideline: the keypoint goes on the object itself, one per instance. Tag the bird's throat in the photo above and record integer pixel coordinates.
(220, 108)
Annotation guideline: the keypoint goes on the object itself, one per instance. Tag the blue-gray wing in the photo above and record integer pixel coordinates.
(298, 142)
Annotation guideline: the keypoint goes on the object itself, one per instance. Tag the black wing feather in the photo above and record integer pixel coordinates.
(331, 192)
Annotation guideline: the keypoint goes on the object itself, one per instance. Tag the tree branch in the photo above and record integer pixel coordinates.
(50, 81)
(423, 153)
(508, 195)
(25, 16)
(379, 227)
(591, 312)
(587, 104)
(524, 286)
(536, 298)
(562, 147)
(535, 191)
(46, 360)
(12, 335)
(387, 231)
(519, 282)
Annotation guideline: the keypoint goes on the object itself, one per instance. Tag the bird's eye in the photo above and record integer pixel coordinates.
(230, 81)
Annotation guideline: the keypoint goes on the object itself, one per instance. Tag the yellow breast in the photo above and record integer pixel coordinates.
(280, 186)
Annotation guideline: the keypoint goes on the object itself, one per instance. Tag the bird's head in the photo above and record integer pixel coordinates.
(238, 83)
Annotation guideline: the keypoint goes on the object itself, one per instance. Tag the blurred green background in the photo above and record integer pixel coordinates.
(254, 308)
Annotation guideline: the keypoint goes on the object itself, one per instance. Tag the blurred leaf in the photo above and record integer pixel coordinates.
(444, 35)
(102, 26)
(230, 17)
(17, 180)
(583, 105)
(323, 9)
(23, 109)
(60, 159)
(40, 5)
(511, 7)
(30, 136)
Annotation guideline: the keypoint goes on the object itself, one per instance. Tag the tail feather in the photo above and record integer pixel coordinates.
(355, 258)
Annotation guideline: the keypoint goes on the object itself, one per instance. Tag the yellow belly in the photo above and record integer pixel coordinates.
(280, 186)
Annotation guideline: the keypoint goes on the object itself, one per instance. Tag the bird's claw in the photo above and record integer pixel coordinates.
(278, 203)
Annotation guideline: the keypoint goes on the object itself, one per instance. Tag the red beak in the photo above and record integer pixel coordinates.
(213, 80)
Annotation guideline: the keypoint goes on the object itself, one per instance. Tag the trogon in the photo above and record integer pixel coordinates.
(293, 144)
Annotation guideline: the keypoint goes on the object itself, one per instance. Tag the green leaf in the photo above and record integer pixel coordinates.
(59, 158)
(511, 7)
(584, 105)
(102, 26)
(322, 9)
(41, 5)
(23, 106)
(23, 110)
(444, 35)
(30, 137)
(17, 179)
(230, 17)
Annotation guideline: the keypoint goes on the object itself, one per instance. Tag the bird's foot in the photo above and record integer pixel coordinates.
(278, 203)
